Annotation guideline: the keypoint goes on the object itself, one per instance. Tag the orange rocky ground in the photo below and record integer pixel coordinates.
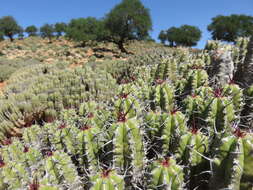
(2, 85)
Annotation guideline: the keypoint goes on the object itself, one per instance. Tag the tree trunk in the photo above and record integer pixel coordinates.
(83, 44)
(50, 39)
(121, 47)
(171, 43)
(11, 37)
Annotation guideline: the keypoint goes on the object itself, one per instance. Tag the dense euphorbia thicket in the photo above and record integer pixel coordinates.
(172, 122)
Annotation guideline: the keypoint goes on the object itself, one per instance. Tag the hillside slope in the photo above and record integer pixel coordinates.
(162, 118)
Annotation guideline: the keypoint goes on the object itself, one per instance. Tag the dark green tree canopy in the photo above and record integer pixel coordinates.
(31, 30)
(173, 35)
(9, 26)
(162, 36)
(47, 31)
(185, 35)
(60, 27)
(128, 20)
(228, 28)
(188, 35)
(86, 29)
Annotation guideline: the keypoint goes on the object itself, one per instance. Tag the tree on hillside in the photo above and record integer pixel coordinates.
(228, 28)
(9, 26)
(188, 35)
(185, 35)
(86, 29)
(128, 20)
(172, 35)
(31, 30)
(60, 27)
(47, 31)
(162, 36)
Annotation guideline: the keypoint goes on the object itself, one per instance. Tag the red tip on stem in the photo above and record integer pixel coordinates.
(106, 173)
(26, 149)
(85, 127)
(166, 162)
(238, 133)
(7, 141)
(62, 126)
(159, 81)
(2, 164)
(90, 115)
(121, 117)
(34, 186)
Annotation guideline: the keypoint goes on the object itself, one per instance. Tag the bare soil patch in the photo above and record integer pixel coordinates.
(2, 85)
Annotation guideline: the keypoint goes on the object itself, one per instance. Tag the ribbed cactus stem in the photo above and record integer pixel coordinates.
(193, 145)
(107, 180)
(161, 96)
(196, 78)
(128, 147)
(229, 163)
(221, 111)
(89, 146)
(166, 174)
(174, 126)
(245, 72)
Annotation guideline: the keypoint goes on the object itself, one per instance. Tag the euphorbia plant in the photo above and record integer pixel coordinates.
(166, 174)
(231, 163)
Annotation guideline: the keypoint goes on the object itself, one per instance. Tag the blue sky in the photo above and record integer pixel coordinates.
(165, 13)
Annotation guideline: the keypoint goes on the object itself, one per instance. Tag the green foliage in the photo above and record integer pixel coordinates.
(162, 36)
(31, 30)
(86, 29)
(172, 35)
(185, 35)
(128, 20)
(47, 31)
(60, 27)
(9, 26)
(229, 28)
